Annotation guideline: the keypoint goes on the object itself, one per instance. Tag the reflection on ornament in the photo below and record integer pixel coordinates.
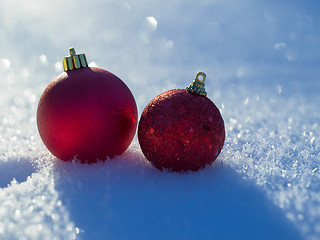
(182, 129)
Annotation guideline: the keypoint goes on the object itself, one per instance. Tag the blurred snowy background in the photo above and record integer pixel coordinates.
(262, 63)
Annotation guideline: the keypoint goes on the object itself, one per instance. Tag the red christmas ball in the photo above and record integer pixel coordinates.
(182, 129)
(87, 113)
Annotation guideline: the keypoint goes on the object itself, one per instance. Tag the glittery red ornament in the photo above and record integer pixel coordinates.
(88, 113)
(182, 129)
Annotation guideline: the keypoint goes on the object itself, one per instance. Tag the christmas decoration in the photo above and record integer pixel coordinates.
(182, 129)
(86, 112)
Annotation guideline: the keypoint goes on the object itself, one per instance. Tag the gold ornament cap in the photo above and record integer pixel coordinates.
(197, 86)
(74, 61)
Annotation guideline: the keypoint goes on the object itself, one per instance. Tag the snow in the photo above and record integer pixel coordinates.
(262, 64)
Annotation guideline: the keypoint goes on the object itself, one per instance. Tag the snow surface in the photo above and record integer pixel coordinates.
(262, 64)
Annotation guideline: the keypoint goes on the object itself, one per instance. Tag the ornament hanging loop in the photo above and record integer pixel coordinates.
(74, 61)
(197, 86)
(201, 77)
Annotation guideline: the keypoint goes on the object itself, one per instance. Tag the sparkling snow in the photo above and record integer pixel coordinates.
(262, 64)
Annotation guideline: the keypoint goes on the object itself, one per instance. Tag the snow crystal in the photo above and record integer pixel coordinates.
(58, 66)
(4, 64)
(279, 46)
(43, 59)
(152, 22)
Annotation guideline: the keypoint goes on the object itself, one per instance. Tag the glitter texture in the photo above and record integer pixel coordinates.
(179, 130)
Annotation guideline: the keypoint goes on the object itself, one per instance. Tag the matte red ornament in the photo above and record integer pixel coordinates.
(87, 113)
(182, 129)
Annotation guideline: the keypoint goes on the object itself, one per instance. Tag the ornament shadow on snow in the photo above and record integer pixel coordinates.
(86, 112)
(182, 129)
